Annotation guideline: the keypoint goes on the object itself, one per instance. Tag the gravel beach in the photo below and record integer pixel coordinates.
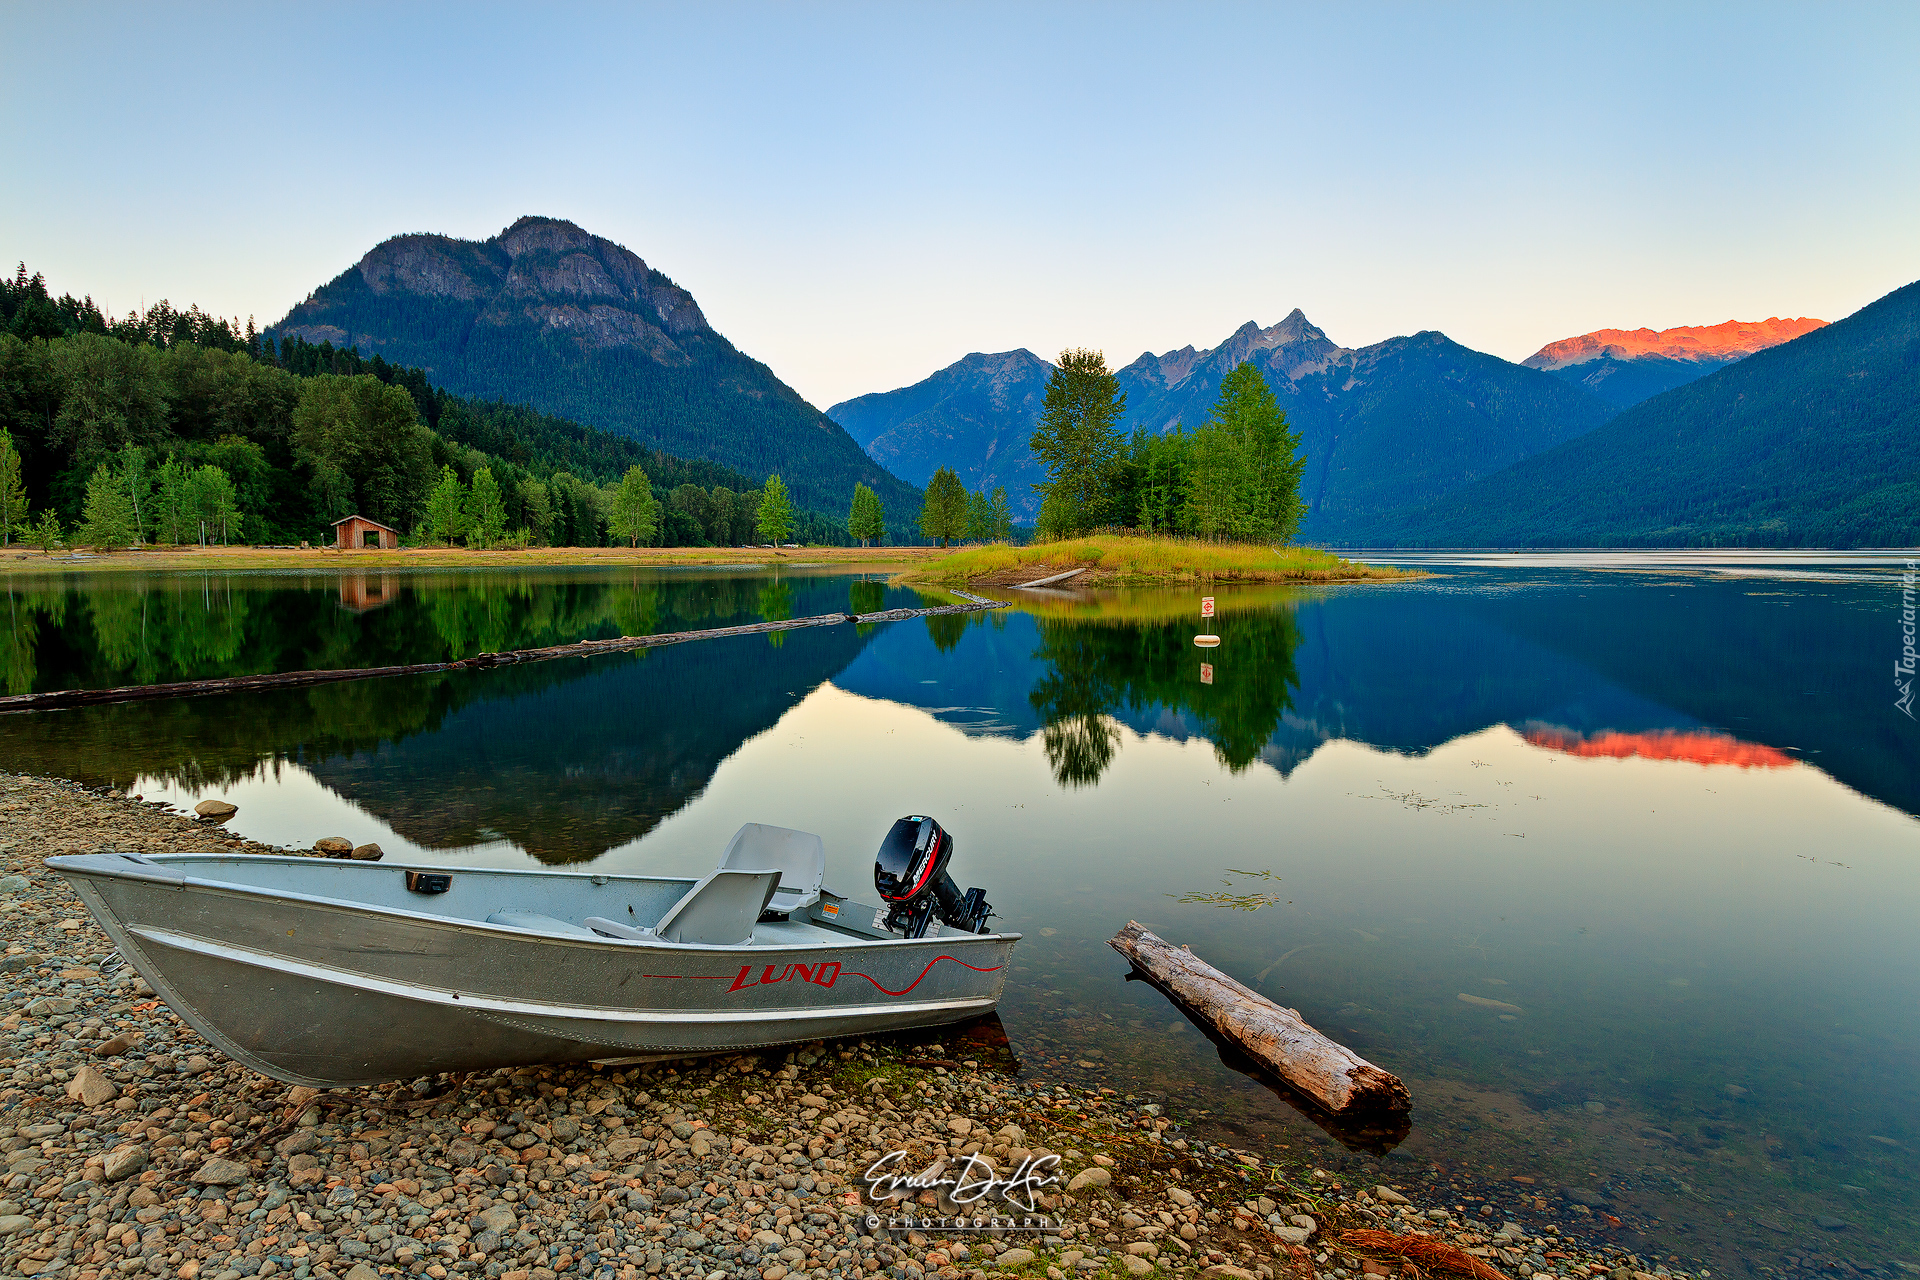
(133, 1147)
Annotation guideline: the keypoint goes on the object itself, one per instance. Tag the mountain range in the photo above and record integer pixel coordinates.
(1387, 429)
(1398, 423)
(1815, 442)
(1626, 366)
(547, 315)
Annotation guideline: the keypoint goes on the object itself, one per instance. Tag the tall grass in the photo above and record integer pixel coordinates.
(1156, 560)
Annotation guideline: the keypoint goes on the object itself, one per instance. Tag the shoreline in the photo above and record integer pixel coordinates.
(328, 560)
(1102, 561)
(740, 1167)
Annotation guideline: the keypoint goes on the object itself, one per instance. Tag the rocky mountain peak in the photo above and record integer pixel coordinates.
(547, 314)
(556, 234)
(1721, 343)
(1295, 328)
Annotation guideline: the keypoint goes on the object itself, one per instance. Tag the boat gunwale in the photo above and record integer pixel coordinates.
(83, 865)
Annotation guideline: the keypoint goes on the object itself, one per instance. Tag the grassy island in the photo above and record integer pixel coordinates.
(1134, 560)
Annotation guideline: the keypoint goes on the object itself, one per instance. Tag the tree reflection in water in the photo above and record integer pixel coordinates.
(1098, 668)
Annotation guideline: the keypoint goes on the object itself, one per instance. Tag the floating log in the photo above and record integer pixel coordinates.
(62, 699)
(1332, 1075)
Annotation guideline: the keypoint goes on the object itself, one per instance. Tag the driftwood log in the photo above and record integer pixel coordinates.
(61, 699)
(1332, 1075)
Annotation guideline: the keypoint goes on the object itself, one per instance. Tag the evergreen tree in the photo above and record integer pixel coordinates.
(776, 511)
(634, 514)
(1078, 440)
(107, 518)
(943, 517)
(486, 513)
(1002, 513)
(445, 517)
(866, 520)
(13, 493)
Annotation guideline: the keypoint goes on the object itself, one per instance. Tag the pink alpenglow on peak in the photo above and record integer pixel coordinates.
(1720, 342)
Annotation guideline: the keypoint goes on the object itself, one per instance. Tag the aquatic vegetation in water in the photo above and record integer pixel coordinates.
(1415, 800)
(1232, 901)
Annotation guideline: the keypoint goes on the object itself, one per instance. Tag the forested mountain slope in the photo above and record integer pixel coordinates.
(1815, 442)
(975, 415)
(78, 390)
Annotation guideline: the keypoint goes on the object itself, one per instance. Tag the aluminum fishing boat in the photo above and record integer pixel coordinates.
(322, 972)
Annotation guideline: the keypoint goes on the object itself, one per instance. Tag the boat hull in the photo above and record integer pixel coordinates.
(326, 992)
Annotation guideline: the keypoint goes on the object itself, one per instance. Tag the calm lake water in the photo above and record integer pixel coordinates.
(1655, 814)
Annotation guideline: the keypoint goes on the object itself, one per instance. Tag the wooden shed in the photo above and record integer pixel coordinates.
(358, 531)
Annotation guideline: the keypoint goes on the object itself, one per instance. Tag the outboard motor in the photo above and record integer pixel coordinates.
(910, 874)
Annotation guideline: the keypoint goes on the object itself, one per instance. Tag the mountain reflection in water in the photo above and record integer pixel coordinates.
(567, 760)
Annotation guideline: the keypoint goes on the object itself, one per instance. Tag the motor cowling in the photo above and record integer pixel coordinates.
(910, 875)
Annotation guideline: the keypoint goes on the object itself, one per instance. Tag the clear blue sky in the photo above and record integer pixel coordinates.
(860, 194)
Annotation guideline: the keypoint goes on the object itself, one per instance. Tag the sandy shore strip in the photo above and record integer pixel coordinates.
(133, 1148)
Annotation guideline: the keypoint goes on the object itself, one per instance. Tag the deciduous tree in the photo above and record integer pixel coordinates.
(1245, 481)
(1002, 511)
(943, 516)
(486, 513)
(46, 531)
(979, 518)
(106, 521)
(1162, 463)
(13, 493)
(365, 446)
(445, 518)
(776, 511)
(634, 514)
(212, 503)
(866, 520)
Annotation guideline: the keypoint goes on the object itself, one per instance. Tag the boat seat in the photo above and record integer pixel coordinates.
(538, 923)
(799, 857)
(720, 911)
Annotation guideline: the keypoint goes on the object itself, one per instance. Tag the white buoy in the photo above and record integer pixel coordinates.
(1206, 642)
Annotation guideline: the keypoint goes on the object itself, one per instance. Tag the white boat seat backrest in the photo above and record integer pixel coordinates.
(799, 857)
(719, 911)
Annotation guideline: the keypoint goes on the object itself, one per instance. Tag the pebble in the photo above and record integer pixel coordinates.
(139, 1153)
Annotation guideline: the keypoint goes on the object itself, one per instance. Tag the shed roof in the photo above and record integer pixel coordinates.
(364, 520)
